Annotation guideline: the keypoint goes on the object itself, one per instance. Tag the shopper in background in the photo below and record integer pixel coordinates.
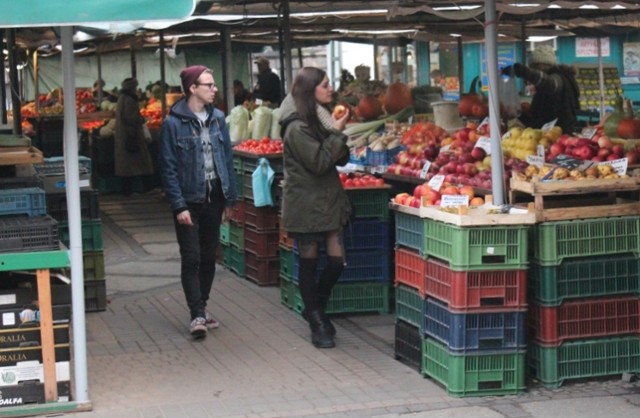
(315, 207)
(240, 93)
(556, 90)
(131, 155)
(198, 178)
(268, 87)
(100, 94)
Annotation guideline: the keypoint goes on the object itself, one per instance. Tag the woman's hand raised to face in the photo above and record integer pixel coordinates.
(340, 123)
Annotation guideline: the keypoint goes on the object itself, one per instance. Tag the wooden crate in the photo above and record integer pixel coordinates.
(572, 199)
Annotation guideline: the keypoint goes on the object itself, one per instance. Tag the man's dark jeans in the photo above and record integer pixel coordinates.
(198, 245)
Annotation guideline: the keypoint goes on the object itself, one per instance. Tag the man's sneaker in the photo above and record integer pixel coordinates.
(211, 322)
(198, 328)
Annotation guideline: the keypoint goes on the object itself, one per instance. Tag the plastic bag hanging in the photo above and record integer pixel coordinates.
(261, 180)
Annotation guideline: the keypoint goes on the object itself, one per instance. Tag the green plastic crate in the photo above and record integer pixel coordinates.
(286, 291)
(91, 234)
(95, 296)
(349, 298)
(555, 241)
(236, 236)
(287, 263)
(476, 374)
(237, 165)
(477, 248)
(372, 203)
(409, 306)
(93, 264)
(225, 231)
(584, 278)
(551, 366)
(233, 259)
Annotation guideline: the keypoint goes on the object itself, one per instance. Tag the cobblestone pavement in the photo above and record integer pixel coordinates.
(142, 363)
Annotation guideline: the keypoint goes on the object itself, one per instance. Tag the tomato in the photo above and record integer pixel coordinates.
(348, 183)
(343, 177)
(265, 140)
(379, 182)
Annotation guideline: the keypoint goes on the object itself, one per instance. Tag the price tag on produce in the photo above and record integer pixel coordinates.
(447, 201)
(536, 160)
(540, 150)
(484, 123)
(549, 125)
(259, 102)
(619, 166)
(484, 142)
(567, 162)
(425, 169)
(378, 169)
(444, 149)
(436, 182)
(588, 132)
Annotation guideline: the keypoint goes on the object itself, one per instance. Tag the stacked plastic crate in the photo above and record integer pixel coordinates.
(461, 303)
(52, 173)
(250, 240)
(584, 287)
(365, 281)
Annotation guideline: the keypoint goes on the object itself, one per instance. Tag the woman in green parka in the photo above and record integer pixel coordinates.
(315, 207)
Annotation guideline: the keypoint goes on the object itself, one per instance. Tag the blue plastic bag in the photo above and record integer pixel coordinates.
(261, 180)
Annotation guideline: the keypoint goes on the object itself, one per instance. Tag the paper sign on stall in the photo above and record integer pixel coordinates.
(619, 166)
(484, 142)
(549, 125)
(456, 200)
(436, 182)
(425, 169)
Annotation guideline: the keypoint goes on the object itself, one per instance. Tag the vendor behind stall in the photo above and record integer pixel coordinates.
(100, 94)
(556, 90)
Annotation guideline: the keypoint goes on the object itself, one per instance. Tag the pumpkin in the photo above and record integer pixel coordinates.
(629, 128)
(369, 108)
(471, 99)
(397, 97)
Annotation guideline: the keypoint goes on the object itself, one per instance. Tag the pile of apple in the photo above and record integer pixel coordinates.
(425, 195)
(599, 148)
(422, 142)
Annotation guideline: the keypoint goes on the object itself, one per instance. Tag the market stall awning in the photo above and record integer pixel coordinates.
(72, 12)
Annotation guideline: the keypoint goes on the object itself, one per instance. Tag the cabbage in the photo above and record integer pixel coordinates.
(261, 122)
(238, 123)
(275, 123)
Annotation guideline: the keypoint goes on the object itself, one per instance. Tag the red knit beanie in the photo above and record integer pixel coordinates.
(190, 75)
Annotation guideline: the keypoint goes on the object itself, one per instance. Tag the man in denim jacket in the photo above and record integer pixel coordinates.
(198, 178)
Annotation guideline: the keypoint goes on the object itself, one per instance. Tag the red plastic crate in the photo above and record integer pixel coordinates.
(410, 269)
(262, 271)
(261, 243)
(263, 218)
(476, 290)
(237, 214)
(586, 318)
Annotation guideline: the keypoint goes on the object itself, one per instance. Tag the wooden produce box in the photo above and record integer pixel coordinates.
(577, 199)
(474, 216)
(20, 155)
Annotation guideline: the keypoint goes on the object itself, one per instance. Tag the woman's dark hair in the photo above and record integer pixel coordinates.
(303, 92)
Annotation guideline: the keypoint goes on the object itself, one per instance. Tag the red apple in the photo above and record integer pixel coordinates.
(604, 152)
(478, 153)
(617, 149)
(612, 157)
(583, 152)
(556, 148)
(418, 191)
(632, 157)
(605, 142)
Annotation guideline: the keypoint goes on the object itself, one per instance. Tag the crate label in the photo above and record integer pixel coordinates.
(9, 299)
(491, 250)
(454, 200)
(425, 169)
(619, 165)
(536, 160)
(8, 318)
(540, 150)
(484, 142)
(549, 125)
(436, 182)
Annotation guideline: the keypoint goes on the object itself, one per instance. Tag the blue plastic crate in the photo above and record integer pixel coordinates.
(474, 332)
(54, 166)
(361, 266)
(410, 231)
(28, 201)
(367, 234)
(385, 157)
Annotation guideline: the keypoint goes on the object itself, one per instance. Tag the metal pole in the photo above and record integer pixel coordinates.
(99, 62)
(3, 85)
(497, 164)
(286, 39)
(600, 78)
(461, 66)
(163, 90)
(134, 66)
(227, 68)
(36, 79)
(14, 82)
(74, 215)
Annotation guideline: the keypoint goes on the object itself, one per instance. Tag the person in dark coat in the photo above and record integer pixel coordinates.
(315, 206)
(268, 87)
(240, 93)
(132, 157)
(556, 90)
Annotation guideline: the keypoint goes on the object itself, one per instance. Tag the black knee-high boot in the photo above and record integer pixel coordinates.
(328, 279)
(313, 312)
